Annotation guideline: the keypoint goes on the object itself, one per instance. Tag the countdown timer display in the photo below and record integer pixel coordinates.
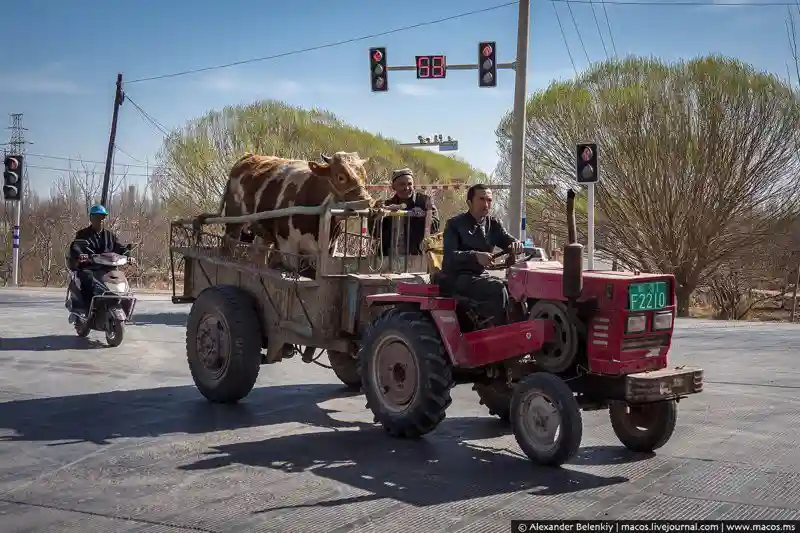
(431, 67)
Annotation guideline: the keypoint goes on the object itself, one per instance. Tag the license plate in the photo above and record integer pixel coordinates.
(647, 296)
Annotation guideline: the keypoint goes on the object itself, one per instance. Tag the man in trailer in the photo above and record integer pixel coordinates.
(469, 239)
(405, 198)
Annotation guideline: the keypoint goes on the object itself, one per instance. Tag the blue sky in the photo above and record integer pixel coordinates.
(61, 60)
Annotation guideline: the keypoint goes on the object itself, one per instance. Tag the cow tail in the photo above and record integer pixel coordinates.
(201, 218)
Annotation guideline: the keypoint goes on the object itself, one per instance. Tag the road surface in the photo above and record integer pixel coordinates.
(101, 439)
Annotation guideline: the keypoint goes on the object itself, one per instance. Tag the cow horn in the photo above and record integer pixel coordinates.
(326, 158)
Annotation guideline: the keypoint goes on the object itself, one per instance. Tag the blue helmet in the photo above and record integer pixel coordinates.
(98, 209)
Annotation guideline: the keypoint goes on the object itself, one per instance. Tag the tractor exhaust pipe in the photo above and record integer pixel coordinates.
(572, 278)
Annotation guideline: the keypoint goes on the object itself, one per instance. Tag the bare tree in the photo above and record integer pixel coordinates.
(698, 159)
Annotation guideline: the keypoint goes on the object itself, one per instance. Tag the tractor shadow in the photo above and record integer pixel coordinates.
(101, 418)
(49, 343)
(442, 467)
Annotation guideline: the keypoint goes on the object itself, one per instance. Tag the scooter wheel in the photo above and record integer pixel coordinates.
(82, 328)
(115, 332)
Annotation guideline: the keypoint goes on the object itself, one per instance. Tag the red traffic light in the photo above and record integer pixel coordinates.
(586, 155)
(487, 50)
(377, 55)
(12, 163)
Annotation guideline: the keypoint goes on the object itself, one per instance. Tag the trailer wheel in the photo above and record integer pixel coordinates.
(405, 373)
(223, 343)
(646, 427)
(546, 419)
(496, 396)
(345, 366)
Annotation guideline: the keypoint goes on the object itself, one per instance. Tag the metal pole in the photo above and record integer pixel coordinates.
(15, 242)
(516, 215)
(109, 156)
(590, 224)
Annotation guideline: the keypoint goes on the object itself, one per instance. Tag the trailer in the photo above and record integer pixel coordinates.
(251, 304)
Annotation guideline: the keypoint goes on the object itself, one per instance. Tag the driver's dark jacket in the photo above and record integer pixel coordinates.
(463, 236)
(100, 242)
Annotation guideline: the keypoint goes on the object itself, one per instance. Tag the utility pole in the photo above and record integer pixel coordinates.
(17, 147)
(517, 205)
(119, 97)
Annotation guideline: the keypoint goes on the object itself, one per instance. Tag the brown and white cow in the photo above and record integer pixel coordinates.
(258, 183)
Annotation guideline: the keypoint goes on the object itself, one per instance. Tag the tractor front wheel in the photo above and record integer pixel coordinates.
(546, 419)
(405, 373)
(646, 427)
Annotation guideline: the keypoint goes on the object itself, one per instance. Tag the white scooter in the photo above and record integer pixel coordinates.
(112, 303)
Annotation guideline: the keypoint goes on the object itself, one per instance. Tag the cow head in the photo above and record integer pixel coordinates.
(347, 177)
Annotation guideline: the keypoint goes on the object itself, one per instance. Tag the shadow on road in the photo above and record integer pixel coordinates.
(442, 467)
(100, 418)
(445, 466)
(48, 343)
(164, 319)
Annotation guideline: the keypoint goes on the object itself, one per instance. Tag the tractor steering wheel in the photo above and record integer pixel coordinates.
(510, 261)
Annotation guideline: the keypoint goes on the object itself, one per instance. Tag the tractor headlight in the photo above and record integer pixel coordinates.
(636, 324)
(662, 321)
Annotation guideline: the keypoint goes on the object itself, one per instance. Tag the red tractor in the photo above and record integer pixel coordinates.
(573, 341)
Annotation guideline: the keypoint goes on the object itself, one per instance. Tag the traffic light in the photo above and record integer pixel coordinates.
(586, 168)
(487, 64)
(377, 69)
(12, 178)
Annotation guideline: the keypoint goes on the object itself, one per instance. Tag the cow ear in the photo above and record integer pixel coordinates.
(320, 169)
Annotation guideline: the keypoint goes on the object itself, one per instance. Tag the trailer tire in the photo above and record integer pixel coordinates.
(403, 340)
(345, 366)
(223, 343)
(558, 400)
(647, 430)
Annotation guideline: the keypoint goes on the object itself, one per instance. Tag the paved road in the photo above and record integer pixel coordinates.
(118, 440)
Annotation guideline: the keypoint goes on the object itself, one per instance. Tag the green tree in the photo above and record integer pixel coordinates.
(194, 161)
(698, 159)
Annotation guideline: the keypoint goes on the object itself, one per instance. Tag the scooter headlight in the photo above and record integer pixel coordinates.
(119, 288)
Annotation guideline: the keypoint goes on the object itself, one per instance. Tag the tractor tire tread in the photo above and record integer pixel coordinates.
(436, 377)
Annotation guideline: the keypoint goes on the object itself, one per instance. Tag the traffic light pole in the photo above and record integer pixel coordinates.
(465, 66)
(517, 205)
(590, 225)
(15, 243)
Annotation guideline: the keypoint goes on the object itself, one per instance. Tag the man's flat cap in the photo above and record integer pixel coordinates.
(401, 172)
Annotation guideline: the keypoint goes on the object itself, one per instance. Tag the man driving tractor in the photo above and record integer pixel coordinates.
(469, 239)
(98, 240)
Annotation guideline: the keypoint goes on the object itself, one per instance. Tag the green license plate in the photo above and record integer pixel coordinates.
(647, 296)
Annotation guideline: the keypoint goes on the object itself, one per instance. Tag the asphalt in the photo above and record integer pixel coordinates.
(119, 440)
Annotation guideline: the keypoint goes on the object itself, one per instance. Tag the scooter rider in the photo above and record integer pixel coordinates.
(99, 241)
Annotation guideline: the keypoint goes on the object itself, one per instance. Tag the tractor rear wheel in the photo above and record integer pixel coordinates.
(559, 354)
(496, 396)
(405, 373)
(345, 366)
(546, 419)
(646, 427)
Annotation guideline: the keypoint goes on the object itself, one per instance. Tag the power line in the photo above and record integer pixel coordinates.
(123, 152)
(146, 116)
(564, 36)
(610, 33)
(578, 31)
(599, 31)
(55, 169)
(327, 45)
(81, 160)
(679, 3)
